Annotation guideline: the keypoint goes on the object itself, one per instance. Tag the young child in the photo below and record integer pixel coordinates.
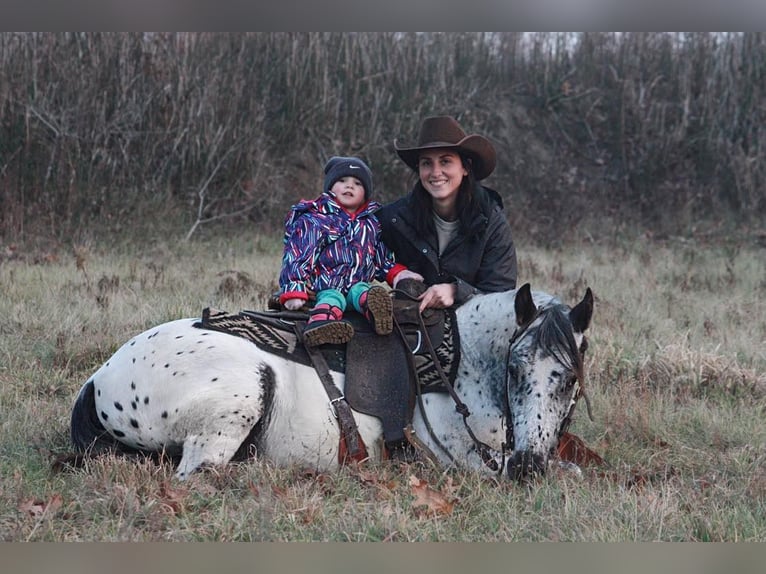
(333, 247)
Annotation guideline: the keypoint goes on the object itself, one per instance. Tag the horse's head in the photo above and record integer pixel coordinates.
(544, 378)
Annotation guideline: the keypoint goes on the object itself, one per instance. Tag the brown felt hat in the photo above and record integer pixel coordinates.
(443, 132)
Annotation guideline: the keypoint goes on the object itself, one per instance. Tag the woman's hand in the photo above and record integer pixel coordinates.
(439, 296)
(293, 304)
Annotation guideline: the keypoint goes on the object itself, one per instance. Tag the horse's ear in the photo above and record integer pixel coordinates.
(581, 314)
(524, 306)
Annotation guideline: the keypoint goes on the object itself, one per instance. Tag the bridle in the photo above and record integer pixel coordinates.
(579, 377)
(483, 450)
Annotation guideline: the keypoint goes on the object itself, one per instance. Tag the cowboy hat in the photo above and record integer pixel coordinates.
(443, 132)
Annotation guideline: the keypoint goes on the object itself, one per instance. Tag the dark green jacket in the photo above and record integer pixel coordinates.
(481, 261)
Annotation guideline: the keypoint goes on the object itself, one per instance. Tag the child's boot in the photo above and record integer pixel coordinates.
(377, 308)
(326, 326)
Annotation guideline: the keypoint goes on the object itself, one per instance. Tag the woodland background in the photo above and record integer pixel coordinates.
(597, 133)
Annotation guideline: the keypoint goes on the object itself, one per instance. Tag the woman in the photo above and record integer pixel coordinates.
(450, 229)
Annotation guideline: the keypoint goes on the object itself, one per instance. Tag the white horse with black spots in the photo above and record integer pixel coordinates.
(209, 397)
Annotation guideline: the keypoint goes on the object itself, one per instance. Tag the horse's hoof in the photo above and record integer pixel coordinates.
(380, 310)
(329, 332)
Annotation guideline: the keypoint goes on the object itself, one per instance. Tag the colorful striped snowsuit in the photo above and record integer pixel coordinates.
(328, 248)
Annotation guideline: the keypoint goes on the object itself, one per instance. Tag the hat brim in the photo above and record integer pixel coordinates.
(476, 147)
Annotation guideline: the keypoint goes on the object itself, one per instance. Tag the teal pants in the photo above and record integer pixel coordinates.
(335, 298)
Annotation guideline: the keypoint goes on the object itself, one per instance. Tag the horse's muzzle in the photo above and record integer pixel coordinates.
(524, 465)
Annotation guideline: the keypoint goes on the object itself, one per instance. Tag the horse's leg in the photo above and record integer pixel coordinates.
(175, 388)
(219, 424)
(200, 450)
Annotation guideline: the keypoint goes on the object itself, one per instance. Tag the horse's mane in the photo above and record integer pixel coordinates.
(555, 334)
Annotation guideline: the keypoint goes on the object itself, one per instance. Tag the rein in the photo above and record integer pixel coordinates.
(481, 448)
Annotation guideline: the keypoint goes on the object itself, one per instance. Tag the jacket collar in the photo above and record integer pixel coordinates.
(478, 224)
(327, 204)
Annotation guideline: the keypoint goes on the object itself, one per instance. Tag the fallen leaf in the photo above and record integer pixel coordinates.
(368, 476)
(32, 507)
(572, 449)
(433, 500)
(37, 508)
(172, 499)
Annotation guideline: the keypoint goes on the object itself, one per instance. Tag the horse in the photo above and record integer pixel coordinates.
(209, 397)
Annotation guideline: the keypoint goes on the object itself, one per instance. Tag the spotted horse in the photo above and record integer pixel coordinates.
(208, 397)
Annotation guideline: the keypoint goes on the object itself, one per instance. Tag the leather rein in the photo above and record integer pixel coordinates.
(483, 449)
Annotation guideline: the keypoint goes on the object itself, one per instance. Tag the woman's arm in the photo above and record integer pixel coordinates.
(498, 269)
(496, 272)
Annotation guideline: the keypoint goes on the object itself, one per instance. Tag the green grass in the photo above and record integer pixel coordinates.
(676, 374)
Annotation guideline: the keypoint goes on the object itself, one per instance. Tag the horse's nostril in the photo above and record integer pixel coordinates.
(524, 465)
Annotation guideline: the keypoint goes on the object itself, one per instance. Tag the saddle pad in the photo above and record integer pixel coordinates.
(272, 332)
(447, 352)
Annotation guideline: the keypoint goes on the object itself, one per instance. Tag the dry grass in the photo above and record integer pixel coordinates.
(675, 376)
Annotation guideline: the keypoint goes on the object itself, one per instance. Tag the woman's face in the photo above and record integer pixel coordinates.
(441, 173)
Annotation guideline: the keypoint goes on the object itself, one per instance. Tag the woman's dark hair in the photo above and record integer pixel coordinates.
(471, 201)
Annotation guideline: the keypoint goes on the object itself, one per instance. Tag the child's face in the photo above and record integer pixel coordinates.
(349, 193)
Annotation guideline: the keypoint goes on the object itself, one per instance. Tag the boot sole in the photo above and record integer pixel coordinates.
(332, 333)
(381, 309)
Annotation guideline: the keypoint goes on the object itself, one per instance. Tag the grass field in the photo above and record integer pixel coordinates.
(676, 375)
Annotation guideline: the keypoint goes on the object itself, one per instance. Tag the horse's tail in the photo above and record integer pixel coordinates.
(88, 435)
(86, 431)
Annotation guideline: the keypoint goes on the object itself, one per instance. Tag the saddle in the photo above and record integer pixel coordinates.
(380, 370)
